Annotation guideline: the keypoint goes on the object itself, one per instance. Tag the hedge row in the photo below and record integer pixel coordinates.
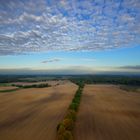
(32, 86)
(65, 127)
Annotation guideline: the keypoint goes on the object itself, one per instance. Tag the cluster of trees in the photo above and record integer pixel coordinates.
(130, 88)
(107, 79)
(18, 87)
(65, 127)
(27, 78)
(89, 79)
(32, 86)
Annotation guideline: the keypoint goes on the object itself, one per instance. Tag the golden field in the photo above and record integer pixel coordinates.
(33, 114)
(108, 113)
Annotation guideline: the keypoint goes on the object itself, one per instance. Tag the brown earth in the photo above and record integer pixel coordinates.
(33, 114)
(108, 113)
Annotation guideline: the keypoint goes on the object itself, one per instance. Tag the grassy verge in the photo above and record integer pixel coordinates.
(66, 126)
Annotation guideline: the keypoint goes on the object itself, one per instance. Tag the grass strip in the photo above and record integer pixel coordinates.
(66, 126)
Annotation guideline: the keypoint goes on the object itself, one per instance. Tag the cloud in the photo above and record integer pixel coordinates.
(51, 60)
(137, 67)
(39, 26)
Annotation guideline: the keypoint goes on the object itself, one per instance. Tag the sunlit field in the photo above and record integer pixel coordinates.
(70, 108)
(34, 113)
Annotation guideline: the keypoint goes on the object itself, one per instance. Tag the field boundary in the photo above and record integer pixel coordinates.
(66, 126)
(18, 87)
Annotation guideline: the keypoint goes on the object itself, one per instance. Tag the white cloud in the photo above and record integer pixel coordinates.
(51, 60)
(61, 25)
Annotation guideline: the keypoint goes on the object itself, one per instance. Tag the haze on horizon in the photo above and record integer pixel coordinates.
(70, 37)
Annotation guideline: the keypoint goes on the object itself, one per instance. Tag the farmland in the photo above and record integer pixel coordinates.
(108, 113)
(70, 107)
(35, 112)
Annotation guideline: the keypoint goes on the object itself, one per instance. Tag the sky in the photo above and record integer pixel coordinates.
(69, 36)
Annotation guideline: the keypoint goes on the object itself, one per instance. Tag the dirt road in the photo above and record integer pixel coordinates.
(108, 113)
(33, 114)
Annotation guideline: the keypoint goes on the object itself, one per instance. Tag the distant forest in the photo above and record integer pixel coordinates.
(89, 79)
(107, 79)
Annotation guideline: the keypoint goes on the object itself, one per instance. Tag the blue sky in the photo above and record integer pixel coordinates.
(70, 36)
